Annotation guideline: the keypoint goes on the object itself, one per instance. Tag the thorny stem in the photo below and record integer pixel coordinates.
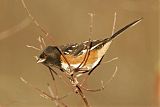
(79, 91)
(82, 95)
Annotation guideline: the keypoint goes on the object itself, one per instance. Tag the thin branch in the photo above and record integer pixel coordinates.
(103, 85)
(57, 102)
(33, 47)
(113, 59)
(91, 24)
(33, 18)
(55, 86)
(114, 22)
(43, 94)
(43, 42)
(14, 29)
(82, 96)
(40, 41)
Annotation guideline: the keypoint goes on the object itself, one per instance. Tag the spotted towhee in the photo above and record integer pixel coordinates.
(69, 56)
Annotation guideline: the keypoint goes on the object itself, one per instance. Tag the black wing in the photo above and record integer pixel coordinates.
(78, 48)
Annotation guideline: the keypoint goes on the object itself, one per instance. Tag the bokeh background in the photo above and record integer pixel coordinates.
(67, 21)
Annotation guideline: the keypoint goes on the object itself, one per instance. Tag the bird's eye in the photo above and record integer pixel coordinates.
(43, 55)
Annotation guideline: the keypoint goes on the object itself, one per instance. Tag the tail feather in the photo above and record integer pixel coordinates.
(123, 29)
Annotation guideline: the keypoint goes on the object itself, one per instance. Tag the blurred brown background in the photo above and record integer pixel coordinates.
(67, 21)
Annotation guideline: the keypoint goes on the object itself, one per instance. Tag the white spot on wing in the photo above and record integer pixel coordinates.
(69, 50)
(95, 46)
(66, 53)
(73, 46)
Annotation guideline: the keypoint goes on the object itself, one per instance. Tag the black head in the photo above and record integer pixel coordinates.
(50, 57)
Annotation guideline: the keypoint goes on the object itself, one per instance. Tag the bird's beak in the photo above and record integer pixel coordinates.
(40, 60)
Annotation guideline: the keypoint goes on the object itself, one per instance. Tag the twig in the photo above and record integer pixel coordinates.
(40, 41)
(57, 102)
(82, 95)
(33, 47)
(114, 22)
(113, 59)
(91, 24)
(46, 95)
(43, 94)
(33, 18)
(16, 28)
(103, 85)
(37, 23)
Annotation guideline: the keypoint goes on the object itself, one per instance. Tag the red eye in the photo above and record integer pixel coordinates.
(45, 55)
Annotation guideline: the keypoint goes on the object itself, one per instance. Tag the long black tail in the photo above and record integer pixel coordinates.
(117, 33)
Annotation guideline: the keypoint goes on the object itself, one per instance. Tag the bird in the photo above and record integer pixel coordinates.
(72, 56)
